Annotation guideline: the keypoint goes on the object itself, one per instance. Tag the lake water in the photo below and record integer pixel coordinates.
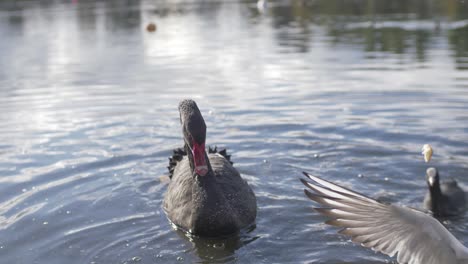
(346, 90)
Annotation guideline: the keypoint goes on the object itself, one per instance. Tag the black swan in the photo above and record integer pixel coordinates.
(415, 237)
(206, 195)
(443, 198)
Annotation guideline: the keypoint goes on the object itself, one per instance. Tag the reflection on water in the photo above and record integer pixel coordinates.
(88, 109)
(219, 250)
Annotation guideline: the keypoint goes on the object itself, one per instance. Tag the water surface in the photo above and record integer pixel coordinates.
(346, 90)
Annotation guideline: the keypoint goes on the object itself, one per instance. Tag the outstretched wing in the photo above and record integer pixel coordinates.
(416, 238)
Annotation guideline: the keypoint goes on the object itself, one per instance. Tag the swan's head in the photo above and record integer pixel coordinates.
(194, 130)
(432, 177)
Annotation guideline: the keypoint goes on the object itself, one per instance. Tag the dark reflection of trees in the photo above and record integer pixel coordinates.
(423, 9)
(15, 17)
(295, 17)
(393, 40)
(422, 40)
(294, 22)
(86, 15)
(209, 9)
(124, 15)
(459, 42)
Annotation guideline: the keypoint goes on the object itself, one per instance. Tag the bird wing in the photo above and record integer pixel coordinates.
(416, 238)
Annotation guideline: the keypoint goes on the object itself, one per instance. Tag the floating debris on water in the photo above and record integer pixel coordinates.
(427, 152)
(151, 27)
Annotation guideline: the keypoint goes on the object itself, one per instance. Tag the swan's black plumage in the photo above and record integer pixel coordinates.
(179, 153)
(443, 198)
(220, 202)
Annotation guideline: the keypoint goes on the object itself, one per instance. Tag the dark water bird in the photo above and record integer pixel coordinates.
(412, 235)
(206, 195)
(443, 198)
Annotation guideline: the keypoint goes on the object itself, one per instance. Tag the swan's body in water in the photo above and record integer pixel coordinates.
(443, 198)
(415, 237)
(206, 196)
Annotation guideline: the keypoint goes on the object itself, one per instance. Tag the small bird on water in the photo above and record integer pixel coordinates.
(444, 198)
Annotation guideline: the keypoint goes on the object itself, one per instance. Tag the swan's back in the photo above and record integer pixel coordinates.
(218, 204)
(237, 192)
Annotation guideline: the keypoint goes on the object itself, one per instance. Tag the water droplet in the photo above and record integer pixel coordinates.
(386, 179)
(316, 155)
(180, 258)
(68, 212)
(45, 223)
(24, 190)
(360, 175)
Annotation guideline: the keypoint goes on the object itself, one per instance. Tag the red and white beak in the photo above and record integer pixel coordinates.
(199, 158)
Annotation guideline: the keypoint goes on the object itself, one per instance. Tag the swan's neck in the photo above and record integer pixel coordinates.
(188, 150)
